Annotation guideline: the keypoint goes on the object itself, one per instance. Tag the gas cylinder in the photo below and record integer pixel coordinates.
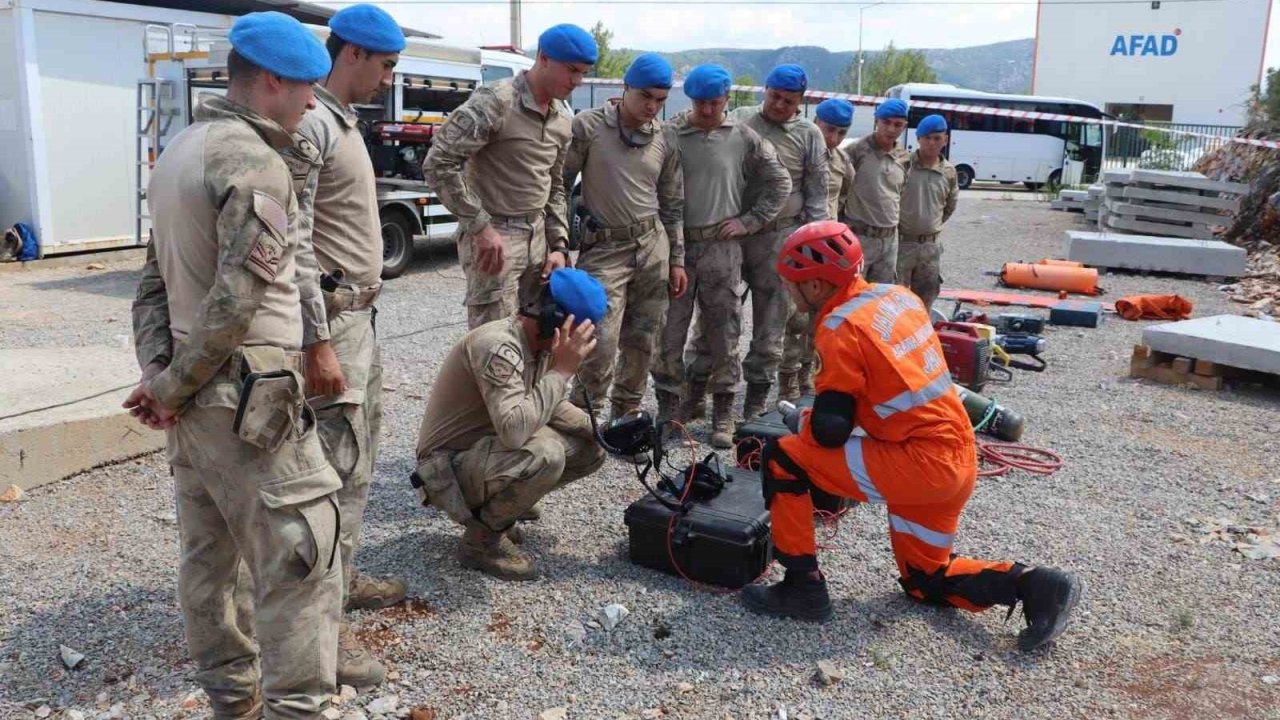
(1004, 423)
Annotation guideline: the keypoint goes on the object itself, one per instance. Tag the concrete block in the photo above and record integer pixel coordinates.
(1234, 340)
(1166, 213)
(1193, 199)
(1073, 195)
(1129, 225)
(1161, 254)
(1066, 205)
(1121, 177)
(40, 446)
(1192, 180)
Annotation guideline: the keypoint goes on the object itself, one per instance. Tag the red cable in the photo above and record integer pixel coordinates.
(1001, 457)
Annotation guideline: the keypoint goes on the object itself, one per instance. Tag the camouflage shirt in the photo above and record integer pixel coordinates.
(621, 184)
(500, 154)
(839, 181)
(221, 265)
(877, 183)
(729, 172)
(803, 153)
(929, 196)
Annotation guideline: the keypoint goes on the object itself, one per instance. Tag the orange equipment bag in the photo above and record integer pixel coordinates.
(1154, 307)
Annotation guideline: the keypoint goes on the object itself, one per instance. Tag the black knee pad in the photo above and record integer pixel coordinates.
(770, 485)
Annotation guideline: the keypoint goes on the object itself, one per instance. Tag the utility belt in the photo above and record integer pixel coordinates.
(272, 398)
(634, 231)
(701, 234)
(340, 297)
(780, 222)
(931, 237)
(529, 218)
(862, 228)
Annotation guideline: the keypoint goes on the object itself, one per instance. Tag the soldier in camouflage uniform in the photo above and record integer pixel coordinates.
(725, 163)
(928, 200)
(497, 164)
(218, 331)
(795, 375)
(633, 234)
(880, 171)
(802, 152)
(499, 431)
(339, 216)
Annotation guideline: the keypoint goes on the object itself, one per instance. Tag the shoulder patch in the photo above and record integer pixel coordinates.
(504, 361)
(268, 248)
(461, 124)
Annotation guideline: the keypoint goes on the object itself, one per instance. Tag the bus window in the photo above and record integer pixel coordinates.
(494, 73)
(1093, 136)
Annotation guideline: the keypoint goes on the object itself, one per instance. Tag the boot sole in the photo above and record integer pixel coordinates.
(819, 615)
(362, 682)
(518, 577)
(1074, 591)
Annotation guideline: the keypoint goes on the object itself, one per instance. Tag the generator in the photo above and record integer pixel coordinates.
(967, 353)
(750, 437)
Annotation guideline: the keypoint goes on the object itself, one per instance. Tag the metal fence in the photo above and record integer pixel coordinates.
(1151, 148)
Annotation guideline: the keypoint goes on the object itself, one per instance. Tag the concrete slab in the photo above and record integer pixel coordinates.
(1233, 340)
(1129, 225)
(1073, 195)
(1159, 212)
(40, 443)
(1193, 180)
(1159, 254)
(1066, 205)
(1193, 199)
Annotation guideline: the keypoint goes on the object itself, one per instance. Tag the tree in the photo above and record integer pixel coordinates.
(611, 63)
(887, 68)
(739, 98)
(1264, 110)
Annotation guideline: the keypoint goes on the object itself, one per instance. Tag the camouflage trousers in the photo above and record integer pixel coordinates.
(769, 305)
(920, 266)
(797, 343)
(492, 297)
(879, 252)
(634, 273)
(496, 484)
(349, 424)
(714, 268)
(274, 514)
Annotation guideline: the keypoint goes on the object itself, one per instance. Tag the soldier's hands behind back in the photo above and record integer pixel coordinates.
(324, 374)
(572, 345)
(490, 250)
(148, 410)
(679, 282)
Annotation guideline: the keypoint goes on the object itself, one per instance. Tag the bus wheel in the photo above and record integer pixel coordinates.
(1055, 181)
(964, 176)
(397, 244)
(1032, 186)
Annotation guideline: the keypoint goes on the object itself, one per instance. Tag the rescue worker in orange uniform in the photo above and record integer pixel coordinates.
(886, 427)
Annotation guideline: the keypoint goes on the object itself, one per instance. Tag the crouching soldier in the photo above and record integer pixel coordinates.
(499, 431)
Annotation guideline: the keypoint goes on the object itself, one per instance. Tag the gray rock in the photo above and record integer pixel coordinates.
(613, 614)
(70, 658)
(555, 713)
(384, 705)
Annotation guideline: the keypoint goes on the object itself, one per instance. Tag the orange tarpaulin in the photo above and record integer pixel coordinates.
(1154, 307)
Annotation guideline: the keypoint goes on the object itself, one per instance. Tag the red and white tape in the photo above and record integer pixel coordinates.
(980, 110)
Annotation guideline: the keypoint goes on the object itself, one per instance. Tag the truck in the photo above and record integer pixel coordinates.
(96, 89)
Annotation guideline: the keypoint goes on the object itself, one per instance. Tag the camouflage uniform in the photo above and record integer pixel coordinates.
(499, 160)
(803, 152)
(219, 297)
(499, 432)
(928, 200)
(873, 205)
(797, 343)
(633, 235)
(338, 216)
(722, 169)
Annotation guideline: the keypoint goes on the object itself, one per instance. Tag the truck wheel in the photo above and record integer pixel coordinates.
(964, 176)
(1055, 180)
(397, 244)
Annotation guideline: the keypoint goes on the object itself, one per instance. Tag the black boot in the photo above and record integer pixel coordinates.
(1048, 596)
(798, 596)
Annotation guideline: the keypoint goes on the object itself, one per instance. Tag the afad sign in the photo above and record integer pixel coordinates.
(1146, 45)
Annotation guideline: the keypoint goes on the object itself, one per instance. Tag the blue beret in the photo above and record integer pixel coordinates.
(579, 294)
(790, 78)
(279, 44)
(569, 43)
(707, 82)
(835, 112)
(649, 71)
(369, 27)
(931, 124)
(891, 108)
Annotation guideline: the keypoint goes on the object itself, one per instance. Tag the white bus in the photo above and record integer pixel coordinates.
(1005, 149)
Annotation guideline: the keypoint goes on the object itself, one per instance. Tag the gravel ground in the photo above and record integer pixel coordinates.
(1166, 629)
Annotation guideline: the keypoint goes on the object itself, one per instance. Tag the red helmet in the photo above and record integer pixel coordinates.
(823, 250)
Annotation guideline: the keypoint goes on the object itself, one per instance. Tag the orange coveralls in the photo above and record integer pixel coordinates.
(918, 457)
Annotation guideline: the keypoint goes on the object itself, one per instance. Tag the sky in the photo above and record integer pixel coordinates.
(748, 24)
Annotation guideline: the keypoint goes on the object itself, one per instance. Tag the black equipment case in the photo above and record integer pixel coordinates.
(723, 541)
(751, 436)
